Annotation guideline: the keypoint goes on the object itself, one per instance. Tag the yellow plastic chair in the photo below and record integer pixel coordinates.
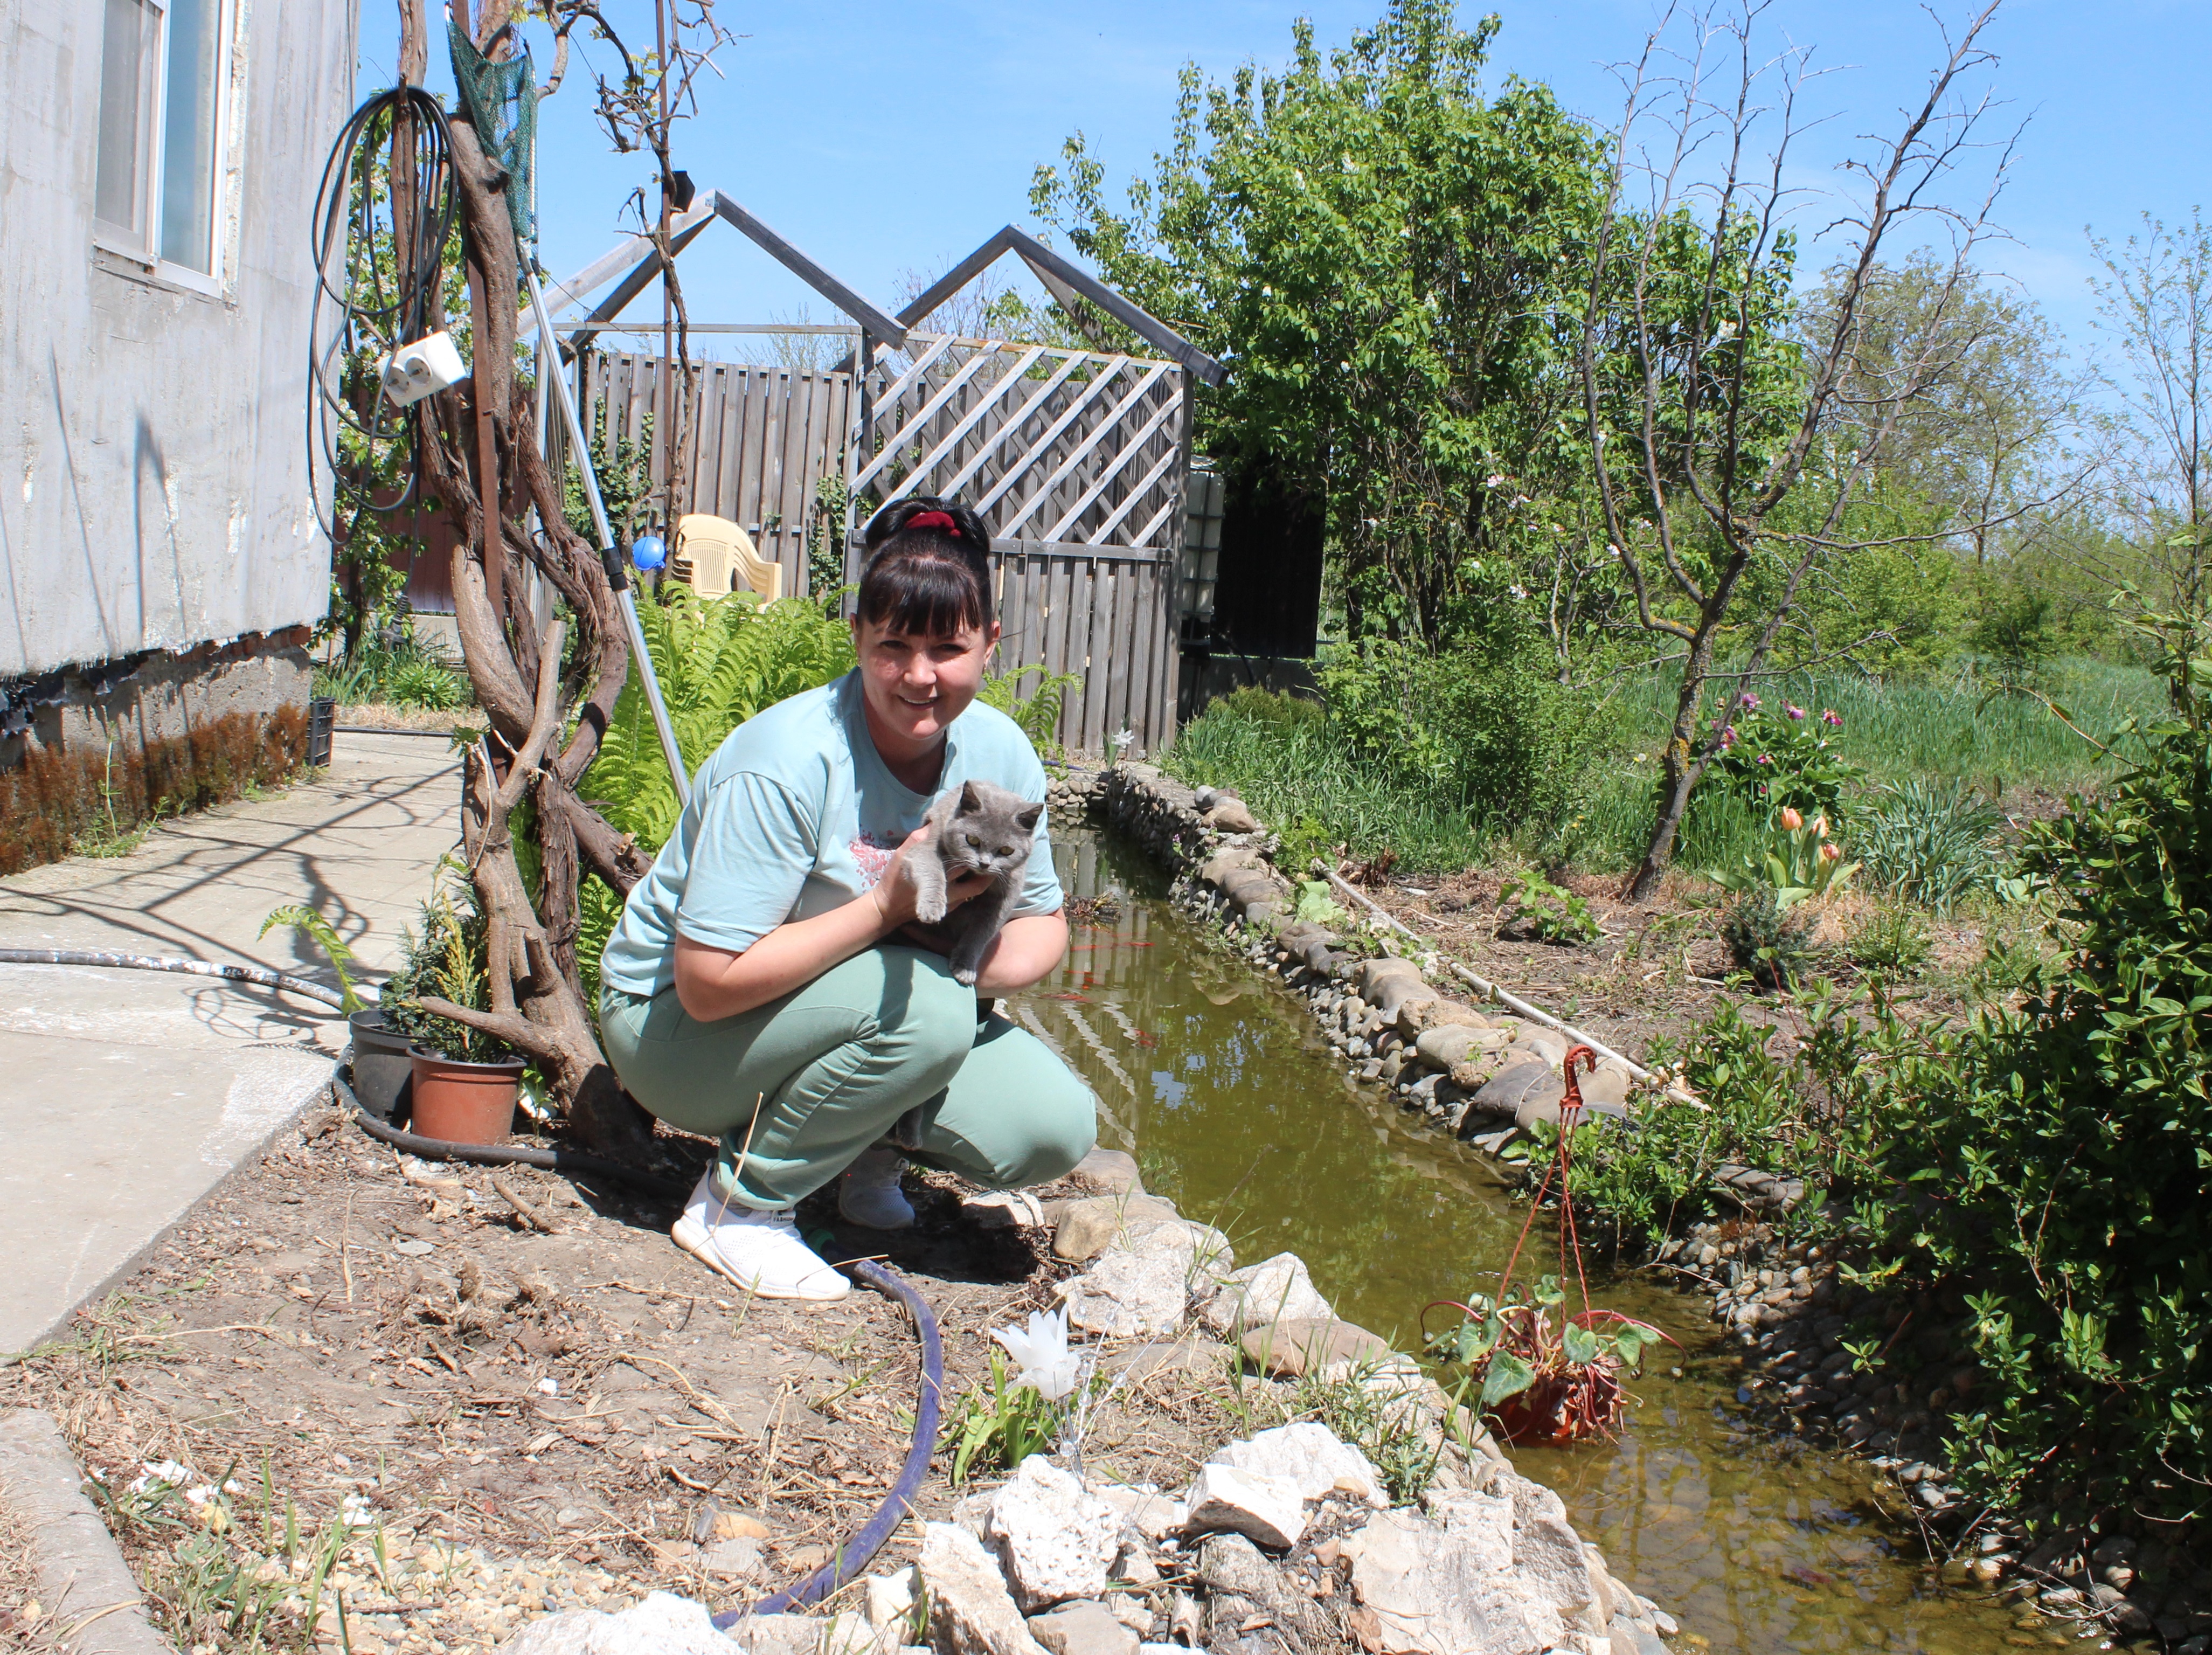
(714, 556)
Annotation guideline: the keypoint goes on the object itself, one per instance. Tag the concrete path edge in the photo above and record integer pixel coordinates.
(83, 1582)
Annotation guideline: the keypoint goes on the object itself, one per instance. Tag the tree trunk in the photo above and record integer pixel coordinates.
(1680, 768)
(480, 458)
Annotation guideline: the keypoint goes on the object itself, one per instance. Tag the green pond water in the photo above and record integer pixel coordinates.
(1218, 1079)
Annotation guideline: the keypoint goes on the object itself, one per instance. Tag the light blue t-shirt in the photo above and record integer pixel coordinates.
(795, 814)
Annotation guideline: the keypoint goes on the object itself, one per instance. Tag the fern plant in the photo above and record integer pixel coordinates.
(1038, 712)
(325, 935)
(719, 661)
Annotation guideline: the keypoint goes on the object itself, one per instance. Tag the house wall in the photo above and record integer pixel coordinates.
(155, 491)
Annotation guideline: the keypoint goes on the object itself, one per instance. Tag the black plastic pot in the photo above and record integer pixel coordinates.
(381, 1068)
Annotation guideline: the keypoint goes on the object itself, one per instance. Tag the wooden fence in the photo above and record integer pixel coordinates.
(1075, 460)
(766, 439)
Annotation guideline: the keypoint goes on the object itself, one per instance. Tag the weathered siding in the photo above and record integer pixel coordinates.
(154, 482)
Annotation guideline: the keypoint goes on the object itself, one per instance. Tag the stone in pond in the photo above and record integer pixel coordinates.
(1107, 1172)
(1501, 1093)
(1087, 1228)
(1417, 1017)
(1296, 1345)
(1455, 1042)
(1229, 815)
(1129, 1293)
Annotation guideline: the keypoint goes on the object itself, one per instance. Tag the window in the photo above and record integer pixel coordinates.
(161, 74)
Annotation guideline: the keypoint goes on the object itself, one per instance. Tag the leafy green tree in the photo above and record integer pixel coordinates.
(1387, 257)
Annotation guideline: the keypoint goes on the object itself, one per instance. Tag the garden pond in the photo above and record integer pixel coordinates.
(1218, 1079)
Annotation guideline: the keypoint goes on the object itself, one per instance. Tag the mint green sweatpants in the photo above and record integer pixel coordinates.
(797, 1088)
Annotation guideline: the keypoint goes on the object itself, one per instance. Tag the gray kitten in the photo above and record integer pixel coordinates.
(982, 828)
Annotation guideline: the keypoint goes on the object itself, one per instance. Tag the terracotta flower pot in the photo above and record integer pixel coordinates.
(463, 1102)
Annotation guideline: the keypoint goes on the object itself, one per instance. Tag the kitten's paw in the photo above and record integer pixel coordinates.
(964, 976)
(930, 910)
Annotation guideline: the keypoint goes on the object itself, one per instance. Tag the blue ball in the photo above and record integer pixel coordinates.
(649, 551)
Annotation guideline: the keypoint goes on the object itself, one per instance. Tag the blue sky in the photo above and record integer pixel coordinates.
(888, 139)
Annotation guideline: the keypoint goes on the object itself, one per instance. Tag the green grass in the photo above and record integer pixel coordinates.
(1298, 779)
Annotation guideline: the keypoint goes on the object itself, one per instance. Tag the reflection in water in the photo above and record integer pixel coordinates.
(1221, 1087)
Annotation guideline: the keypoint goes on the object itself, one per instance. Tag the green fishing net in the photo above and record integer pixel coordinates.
(501, 100)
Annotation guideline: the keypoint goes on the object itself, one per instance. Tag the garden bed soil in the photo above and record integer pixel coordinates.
(505, 1420)
(1657, 970)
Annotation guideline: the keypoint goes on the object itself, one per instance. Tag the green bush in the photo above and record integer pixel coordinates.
(1764, 939)
(1653, 1174)
(2057, 1154)
(399, 667)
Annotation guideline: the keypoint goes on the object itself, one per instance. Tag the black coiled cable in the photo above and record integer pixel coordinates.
(359, 217)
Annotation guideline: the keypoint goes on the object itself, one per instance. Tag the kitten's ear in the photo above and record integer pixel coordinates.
(970, 799)
(1026, 820)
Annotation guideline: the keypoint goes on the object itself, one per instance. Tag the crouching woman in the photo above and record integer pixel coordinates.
(766, 983)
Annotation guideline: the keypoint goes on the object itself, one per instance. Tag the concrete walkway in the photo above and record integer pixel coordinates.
(125, 1096)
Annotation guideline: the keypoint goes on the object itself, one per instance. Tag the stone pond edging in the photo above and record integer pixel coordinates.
(1487, 1075)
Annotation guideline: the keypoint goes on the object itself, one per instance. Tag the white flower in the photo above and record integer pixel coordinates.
(1042, 1354)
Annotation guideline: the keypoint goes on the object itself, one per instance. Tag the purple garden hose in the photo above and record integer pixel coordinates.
(849, 1558)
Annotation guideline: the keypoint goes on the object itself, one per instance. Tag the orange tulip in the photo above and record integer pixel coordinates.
(1791, 820)
(1820, 827)
(1829, 853)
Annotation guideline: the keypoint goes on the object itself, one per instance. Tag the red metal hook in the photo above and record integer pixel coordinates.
(1573, 1100)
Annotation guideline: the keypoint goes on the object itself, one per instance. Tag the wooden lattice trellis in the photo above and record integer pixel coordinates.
(1075, 460)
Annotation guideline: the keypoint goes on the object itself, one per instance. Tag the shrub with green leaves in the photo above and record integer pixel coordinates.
(1037, 712)
(1535, 906)
(1653, 1175)
(2057, 1154)
(1785, 756)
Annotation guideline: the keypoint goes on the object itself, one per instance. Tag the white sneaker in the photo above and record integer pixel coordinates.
(758, 1250)
(869, 1194)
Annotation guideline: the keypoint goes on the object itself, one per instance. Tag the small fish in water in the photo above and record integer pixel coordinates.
(1080, 999)
(1804, 1574)
(1146, 1039)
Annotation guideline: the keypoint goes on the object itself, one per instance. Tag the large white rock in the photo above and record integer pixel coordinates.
(1486, 1570)
(970, 1610)
(664, 1624)
(1144, 1284)
(1269, 1511)
(1455, 1042)
(1054, 1540)
(1271, 1291)
(1311, 1456)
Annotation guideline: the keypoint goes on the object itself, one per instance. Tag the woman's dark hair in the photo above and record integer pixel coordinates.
(928, 572)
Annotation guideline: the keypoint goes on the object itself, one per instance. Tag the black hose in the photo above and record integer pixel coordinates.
(856, 1552)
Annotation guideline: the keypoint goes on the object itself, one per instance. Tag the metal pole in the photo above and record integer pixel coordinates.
(610, 556)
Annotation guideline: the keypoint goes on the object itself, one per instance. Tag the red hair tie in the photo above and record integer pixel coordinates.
(933, 520)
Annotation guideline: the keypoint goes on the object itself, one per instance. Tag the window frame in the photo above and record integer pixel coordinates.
(144, 251)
